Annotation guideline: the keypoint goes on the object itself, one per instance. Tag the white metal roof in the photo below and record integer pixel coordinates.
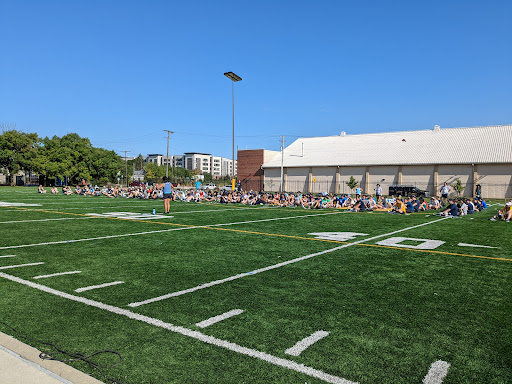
(475, 145)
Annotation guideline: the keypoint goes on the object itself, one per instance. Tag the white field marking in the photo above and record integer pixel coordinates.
(31, 221)
(7, 256)
(159, 231)
(90, 287)
(338, 236)
(216, 319)
(96, 238)
(424, 243)
(288, 364)
(129, 215)
(437, 372)
(305, 343)
(12, 204)
(20, 265)
(56, 274)
(474, 245)
(270, 267)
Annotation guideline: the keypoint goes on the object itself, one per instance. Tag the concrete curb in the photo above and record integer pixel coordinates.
(26, 358)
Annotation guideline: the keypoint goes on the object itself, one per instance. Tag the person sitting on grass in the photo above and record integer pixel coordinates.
(409, 207)
(55, 191)
(504, 213)
(451, 210)
(399, 207)
(40, 189)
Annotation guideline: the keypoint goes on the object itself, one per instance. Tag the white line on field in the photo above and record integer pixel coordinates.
(61, 218)
(21, 265)
(160, 231)
(7, 256)
(274, 266)
(437, 372)
(90, 287)
(305, 343)
(474, 245)
(216, 319)
(289, 364)
(56, 274)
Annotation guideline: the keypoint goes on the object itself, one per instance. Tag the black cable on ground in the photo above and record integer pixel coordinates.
(52, 349)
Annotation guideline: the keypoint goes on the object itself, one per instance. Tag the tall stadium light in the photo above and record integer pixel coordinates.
(233, 78)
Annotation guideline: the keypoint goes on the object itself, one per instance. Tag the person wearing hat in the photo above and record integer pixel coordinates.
(505, 213)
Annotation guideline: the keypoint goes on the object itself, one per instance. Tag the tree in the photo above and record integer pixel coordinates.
(352, 183)
(458, 187)
(17, 152)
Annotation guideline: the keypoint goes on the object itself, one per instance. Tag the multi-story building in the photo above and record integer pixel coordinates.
(205, 162)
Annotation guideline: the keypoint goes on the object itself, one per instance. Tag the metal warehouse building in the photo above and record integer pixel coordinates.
(425, 159)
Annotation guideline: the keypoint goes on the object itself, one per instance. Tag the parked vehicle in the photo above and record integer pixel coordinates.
(209, 186)
(407, 190)
(226, 187)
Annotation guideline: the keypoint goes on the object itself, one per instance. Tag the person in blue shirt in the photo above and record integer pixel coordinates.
(167, 186)
(409, 207)
(452, 209)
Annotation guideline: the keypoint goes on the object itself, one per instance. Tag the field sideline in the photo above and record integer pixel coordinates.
(230, 294)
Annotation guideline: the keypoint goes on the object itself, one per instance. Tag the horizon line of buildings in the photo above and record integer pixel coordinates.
(217, 166)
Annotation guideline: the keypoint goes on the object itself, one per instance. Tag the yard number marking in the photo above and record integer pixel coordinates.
(424, 243)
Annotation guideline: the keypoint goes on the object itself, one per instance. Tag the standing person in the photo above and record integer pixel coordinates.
(378, 192)
(167, 186)
(478, 191)
(445, 189)
(358, 191)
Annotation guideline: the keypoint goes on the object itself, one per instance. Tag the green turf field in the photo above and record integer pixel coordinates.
(233, 294)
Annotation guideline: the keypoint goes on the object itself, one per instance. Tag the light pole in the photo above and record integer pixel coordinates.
(126, 166)
(167, 168)
(233, 78)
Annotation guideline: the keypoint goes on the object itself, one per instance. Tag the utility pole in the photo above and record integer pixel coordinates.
(126, 166)
(282, 163)
(167, 168)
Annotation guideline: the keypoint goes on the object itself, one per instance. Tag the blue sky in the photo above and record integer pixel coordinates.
(121, 71)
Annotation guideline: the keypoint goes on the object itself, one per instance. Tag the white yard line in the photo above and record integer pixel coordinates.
(216, 319)
(437, 372)
(305, 343)
(21, 265)
(61, 218)
(474, 245)
(160, 231)
(271, 267)
(7, 256)
(56, 274)
(83, 289)
(288, 364)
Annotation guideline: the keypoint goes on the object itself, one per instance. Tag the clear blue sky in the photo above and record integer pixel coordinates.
(122, 71)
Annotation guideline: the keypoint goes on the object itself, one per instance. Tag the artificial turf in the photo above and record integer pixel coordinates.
(390, 311)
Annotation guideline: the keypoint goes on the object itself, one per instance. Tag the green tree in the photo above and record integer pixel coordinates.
(17, 152)
(352, 183)
(458, 187)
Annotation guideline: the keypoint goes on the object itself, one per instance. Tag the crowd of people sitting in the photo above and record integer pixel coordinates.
(357, 203)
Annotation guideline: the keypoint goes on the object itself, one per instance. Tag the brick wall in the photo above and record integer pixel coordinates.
(250, 173)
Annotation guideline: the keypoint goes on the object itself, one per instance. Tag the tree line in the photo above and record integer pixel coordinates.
(73, 157)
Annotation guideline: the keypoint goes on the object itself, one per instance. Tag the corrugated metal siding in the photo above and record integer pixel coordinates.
(476, 145)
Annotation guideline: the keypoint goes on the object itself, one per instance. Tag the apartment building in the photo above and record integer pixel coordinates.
(205, 162)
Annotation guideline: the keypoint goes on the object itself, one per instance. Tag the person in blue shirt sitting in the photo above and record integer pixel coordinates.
(409, 207)
(452, 209)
